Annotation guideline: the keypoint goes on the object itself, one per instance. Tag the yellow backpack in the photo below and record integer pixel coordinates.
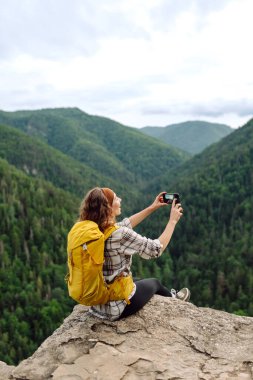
(86, 283)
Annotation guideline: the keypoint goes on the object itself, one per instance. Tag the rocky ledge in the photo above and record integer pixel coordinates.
(167, 339)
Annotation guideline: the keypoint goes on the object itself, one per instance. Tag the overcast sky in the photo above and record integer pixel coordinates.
(140, 62)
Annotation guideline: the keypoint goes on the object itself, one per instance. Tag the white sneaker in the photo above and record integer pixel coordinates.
(183, 294)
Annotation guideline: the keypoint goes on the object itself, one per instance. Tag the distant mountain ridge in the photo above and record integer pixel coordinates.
(40, 160)
(190, 136)
(101, 143)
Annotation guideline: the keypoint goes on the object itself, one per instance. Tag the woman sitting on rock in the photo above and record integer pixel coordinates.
(102, 206)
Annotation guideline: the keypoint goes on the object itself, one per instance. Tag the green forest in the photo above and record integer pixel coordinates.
(51, 158)
(32, 291)
(191, 136)
(212, 248)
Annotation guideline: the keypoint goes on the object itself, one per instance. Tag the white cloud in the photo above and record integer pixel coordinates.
(149, 62)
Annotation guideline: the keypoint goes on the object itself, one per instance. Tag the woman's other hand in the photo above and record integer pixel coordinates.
(176, 212)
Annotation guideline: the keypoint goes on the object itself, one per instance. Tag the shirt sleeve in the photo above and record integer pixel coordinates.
(132, 243)
(125, 223)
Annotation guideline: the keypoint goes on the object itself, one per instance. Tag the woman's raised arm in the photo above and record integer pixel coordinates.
(140, 216)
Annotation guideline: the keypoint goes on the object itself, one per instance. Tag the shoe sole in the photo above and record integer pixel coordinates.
(187, 297)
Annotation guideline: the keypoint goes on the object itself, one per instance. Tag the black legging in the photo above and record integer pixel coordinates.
(145, 289)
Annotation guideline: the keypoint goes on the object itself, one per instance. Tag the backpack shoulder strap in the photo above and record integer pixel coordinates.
(96, 248)
(109, 230)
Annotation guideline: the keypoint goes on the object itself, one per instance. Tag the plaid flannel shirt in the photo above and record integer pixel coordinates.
(119, 249)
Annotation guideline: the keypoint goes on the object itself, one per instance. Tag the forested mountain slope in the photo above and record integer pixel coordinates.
(190, 136)
(212, 249)
(34, 220)
(103, 144)
(39, 160)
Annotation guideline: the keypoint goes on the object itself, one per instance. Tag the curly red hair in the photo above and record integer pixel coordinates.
(96, 207)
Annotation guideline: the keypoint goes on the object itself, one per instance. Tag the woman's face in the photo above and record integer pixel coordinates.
(116, 210)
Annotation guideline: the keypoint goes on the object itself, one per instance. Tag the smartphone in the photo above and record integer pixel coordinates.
(169, 197)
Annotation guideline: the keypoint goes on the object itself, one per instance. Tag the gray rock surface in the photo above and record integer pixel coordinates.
(5, 370)
(167, 339)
